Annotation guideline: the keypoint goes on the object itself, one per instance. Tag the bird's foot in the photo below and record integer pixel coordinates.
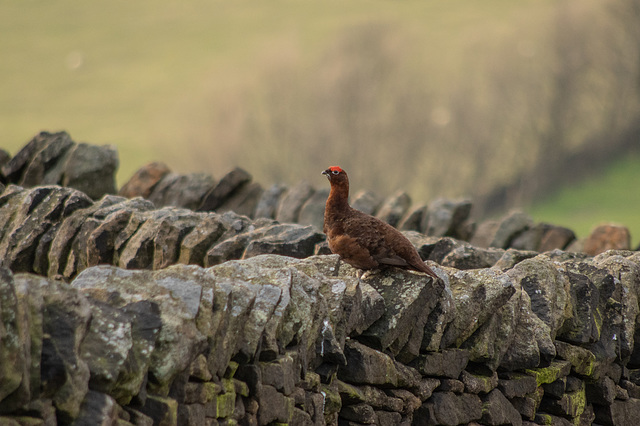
(369, 273)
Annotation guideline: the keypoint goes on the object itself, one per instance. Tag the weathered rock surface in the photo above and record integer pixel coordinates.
(186, 191)
(607, 237)
(277, 336)
(143, 181)
(146, 315)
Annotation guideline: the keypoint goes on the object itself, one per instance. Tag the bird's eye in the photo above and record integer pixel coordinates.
(335, 172)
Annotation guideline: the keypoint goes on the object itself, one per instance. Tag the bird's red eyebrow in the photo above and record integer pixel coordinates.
(335, 169)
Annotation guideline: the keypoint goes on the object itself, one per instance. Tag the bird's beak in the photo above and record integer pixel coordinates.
(327, 174)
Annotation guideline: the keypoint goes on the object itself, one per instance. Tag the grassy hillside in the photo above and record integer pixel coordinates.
(156, 78)
(612, 197)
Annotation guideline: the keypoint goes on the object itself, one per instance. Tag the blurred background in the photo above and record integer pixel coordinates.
(529, 104)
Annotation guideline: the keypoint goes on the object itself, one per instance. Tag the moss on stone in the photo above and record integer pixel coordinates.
(577, 402)
(231, 370)
(226, 401)
(349, 392)
(241, 388)
(547, 374)
(544, 419)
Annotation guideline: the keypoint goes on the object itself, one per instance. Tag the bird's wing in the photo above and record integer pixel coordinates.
(373, 234)
(393, 261)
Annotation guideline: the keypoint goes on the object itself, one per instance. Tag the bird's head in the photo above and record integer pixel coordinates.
(336, 175)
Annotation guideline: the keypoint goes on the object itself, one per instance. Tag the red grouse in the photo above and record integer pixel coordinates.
(361, 240)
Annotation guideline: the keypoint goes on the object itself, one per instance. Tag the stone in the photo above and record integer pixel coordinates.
(477, 295)
(273, 406)
(556, 370)
(557, 237)
(527, 405)
(17, 165)
(162, 410)
(574, 384)
(185, 191)
(15, 345)
(191, 414)
(412, 220)
(571, 404)
(199, 370)
(484, 234)
(286, 240)
(424, 389)
(41, 208)
(312, 211)
(144, 180)
(98, 408)
(388, 418)
(510, 226)
(530, 239)
(65, 375)
(378, 399)
(61, 245)
(465, 256)
(156, 243)
(582, 360)
(280, 374)
(500, 234)
(44, 167)
(433, 248)
(446, 408)
(542, 418)
(445, 217)
(497, 410)
(366, 201)
(243, 201)
(451, 385)
(225, 188)
(106, 347)
(367, 366)
(178, 340)
(77, 260)
(476, 384)
(582, 326)
(607, 237)
(517, 385)
(530, 343)
(548, 289)
(292, 201)
(511, 257)
(618, 289)
(633, 390)
(91, 169)
(601, 391)
(619, 413)
(203, 235)
(269, 201)
(4, 157)
(394, 208)
(556, 388)
(448, 363)
(361, 413)
(410, 402)
(409, 299)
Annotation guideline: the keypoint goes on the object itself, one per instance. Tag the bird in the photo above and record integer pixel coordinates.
(363, 241)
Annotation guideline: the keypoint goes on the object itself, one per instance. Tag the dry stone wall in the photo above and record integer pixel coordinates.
(116, 312)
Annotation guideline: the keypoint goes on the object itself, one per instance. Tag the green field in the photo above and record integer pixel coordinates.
(612, 197)
(441, 99)
(156, 78)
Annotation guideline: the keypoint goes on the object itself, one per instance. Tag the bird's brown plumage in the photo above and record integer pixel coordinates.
(361, 240)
